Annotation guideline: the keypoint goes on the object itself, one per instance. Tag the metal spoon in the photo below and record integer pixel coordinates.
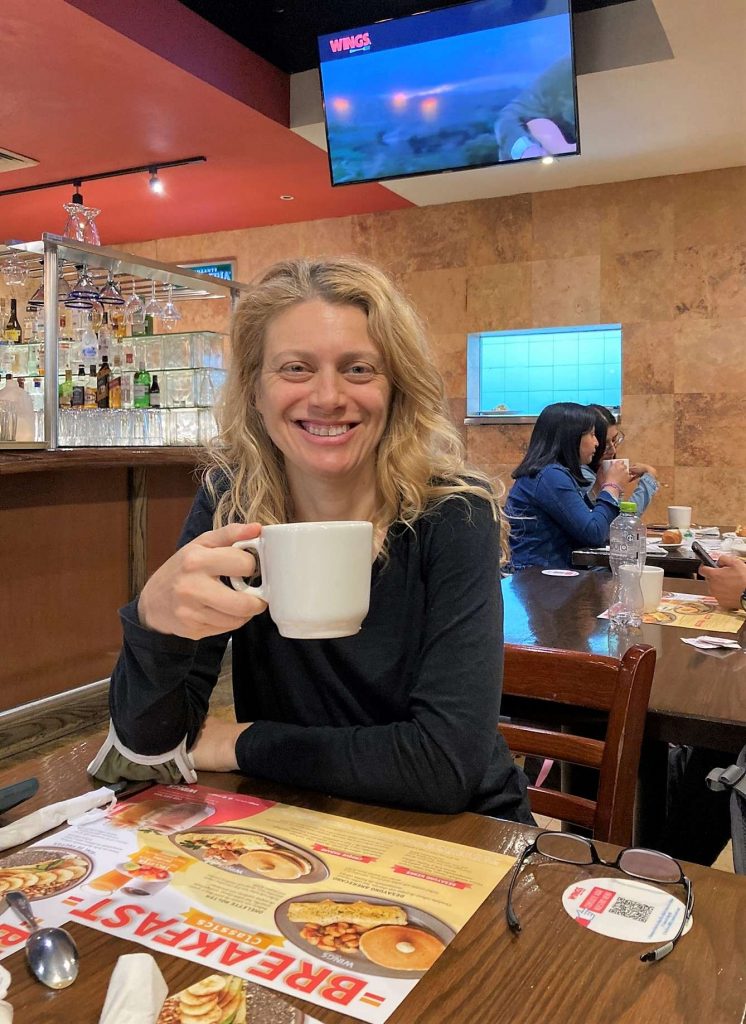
(51, 952)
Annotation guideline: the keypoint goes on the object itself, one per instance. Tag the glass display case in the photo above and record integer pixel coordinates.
(126, 370)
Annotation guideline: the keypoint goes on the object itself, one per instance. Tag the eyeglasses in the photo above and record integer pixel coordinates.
(634, 861)
(616, 442)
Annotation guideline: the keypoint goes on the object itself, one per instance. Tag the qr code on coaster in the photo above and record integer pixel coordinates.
(631, 909)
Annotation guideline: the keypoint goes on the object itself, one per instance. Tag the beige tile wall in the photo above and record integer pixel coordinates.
(666, 257)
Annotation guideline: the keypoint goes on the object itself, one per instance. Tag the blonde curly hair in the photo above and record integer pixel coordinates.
(421, 457)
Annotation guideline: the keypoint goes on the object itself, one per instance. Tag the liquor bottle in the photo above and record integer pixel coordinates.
(13, 334)
(155, 393)
(66, 390)
(102, 383)
(115, 380)
(3, 314)
(90, 389)
(88, 342)
(105, 337)
(128, 380)
(78, 397)
(37, 402)
(142, 388)
(118, 323)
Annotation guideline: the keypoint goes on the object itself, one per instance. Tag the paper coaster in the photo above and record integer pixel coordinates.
(559, 572)
(624, 908)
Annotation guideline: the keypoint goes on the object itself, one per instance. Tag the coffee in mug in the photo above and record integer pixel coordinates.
(680, 516)
(315, 577)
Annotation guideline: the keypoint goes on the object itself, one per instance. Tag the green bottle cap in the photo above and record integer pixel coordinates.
(627, 506)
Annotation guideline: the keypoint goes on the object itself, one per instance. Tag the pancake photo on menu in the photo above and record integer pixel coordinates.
(373, 936)
(255, 854)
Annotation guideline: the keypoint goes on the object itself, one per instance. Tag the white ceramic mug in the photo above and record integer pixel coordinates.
(680, 516)
(315, 577)
(651, 584)
(607, 463)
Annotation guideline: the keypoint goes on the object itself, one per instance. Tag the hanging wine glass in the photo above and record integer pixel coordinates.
(90, 228)
(83, 292)
(76, 221)
(37, 299)
(170, 315)
(110, 294)
(96, 315)
(14, 270)
(63, 288)
(134, 310)
(152, 306)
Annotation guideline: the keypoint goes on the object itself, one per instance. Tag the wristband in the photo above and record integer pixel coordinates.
(616, 487)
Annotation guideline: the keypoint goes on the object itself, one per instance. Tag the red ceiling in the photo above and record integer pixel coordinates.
(155, 83)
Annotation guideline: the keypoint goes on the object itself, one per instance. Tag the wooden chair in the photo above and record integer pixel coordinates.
(569, 680)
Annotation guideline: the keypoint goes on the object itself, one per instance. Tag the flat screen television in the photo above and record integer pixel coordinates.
(476, 84)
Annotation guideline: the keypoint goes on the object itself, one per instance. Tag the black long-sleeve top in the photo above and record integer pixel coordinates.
(403, 713)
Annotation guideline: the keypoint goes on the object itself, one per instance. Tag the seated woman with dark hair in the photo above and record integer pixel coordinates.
(609, 438)
(548, 509)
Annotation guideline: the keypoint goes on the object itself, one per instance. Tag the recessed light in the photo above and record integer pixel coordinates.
(287, 198)
(547, 160)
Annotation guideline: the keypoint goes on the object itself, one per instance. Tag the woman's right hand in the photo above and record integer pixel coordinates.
(617, 473)
(186, 596)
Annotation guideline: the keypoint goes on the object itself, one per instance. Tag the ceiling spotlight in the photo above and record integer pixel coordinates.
(156, 185)
(287, 198)
(547, 160)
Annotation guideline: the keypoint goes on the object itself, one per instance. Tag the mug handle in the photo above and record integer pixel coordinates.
(237, 582)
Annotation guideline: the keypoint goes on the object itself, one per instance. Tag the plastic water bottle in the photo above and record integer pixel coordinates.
(627, 551)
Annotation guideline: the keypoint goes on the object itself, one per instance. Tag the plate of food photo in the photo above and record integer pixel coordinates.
(44, 871)
(253, 854)
(373, 936)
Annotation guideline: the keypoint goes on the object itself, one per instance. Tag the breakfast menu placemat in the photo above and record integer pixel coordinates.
(691, 611)
(342, 913)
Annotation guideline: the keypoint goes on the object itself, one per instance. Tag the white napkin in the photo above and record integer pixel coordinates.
(136, 991)
(46, 818)
(706, 643)
(6, 1010)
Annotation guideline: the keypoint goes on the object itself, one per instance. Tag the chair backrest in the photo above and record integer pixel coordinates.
(621, 688)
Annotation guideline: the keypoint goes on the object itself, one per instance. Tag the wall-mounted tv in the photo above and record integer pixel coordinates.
(480, 83)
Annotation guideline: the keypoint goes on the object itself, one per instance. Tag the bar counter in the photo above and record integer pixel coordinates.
(38, 461)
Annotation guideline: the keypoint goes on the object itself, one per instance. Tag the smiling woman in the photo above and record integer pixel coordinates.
(333, 411)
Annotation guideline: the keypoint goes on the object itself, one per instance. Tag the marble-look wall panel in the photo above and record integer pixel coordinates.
(709, 431)
(710, 207)
(638, 216)
(648, 423)
(637, 285)
(567, 223)
(499, 230)
(566, 292)
(419, 238)
(709, 356)
(717, 498)
(503, 444)
(449, 353)
(498, 298)
(657, 510)
(440, 298)
(648, 357)
(710, 281)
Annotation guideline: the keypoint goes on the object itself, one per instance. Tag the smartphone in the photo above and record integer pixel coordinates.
(704, 556)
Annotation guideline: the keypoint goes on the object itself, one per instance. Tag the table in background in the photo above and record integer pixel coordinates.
(697, 698)
(676, 562)
(554, 970)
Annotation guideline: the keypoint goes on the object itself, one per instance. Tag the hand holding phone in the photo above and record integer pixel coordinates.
(704, 556)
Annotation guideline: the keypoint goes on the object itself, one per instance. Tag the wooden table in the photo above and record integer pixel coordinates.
(676, 562)
(553, 971)
(697, 698)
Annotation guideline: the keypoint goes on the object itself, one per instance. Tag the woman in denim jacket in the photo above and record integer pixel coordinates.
(549, 512)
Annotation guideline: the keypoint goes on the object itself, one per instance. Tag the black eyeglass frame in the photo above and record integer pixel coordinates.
(619, 439)
(651, 955)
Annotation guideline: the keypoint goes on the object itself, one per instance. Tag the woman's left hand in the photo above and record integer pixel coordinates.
(215, 749)
(639, 468)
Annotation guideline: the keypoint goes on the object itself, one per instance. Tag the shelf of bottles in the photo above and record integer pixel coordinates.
(119, 381)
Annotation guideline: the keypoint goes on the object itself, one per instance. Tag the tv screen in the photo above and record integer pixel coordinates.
(480, 83)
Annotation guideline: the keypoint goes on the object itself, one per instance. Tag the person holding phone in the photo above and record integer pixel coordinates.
(333, 411)
(727, 581)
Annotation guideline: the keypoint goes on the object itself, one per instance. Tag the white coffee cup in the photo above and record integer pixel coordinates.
(680, 516)
(315, 577)
(651, 584)
(608, 463)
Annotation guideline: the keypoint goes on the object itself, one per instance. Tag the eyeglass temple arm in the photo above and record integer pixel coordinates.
(653, 955)
(657, 954)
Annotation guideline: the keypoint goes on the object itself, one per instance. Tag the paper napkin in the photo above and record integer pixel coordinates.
(6, 1010)
(46, 818)
(136, 991)
(707, 643)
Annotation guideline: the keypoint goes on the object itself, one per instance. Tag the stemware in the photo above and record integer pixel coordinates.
(90, 228)
(37, 299)
(170, 315)
(75, 224)
(13, 269)
(111, 294)
(152, 306)
(83, 292)
(134, 310)
(63, 288)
